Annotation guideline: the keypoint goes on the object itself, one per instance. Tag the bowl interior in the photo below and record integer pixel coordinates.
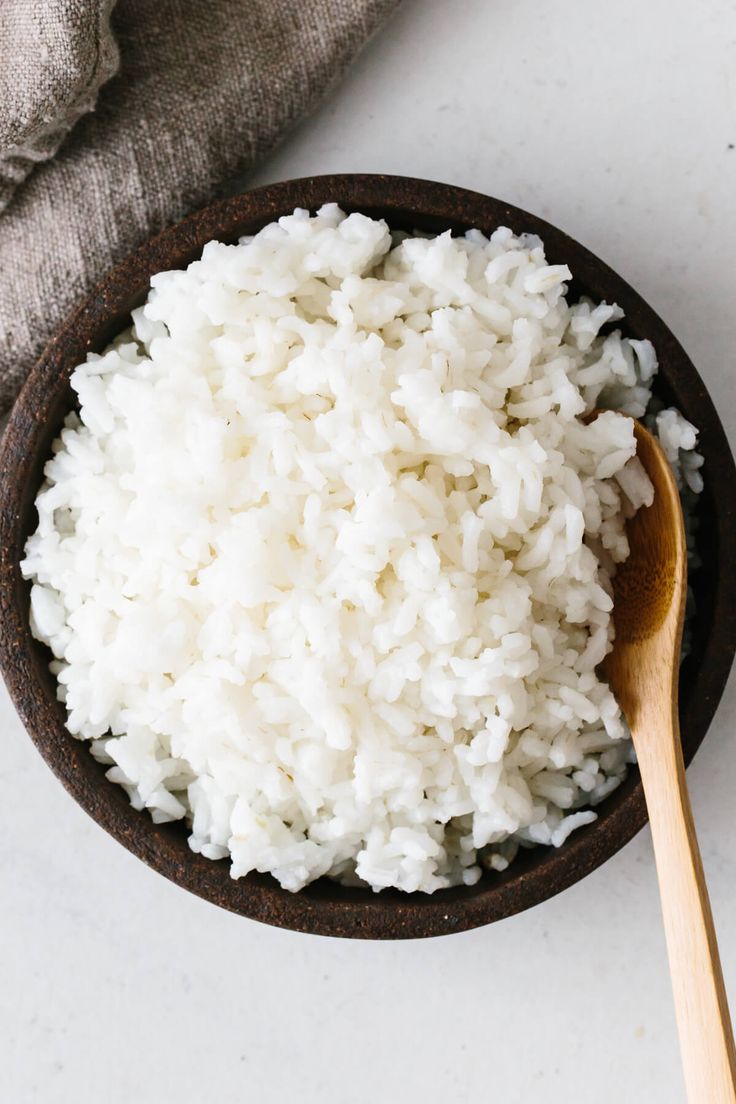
(325, 907)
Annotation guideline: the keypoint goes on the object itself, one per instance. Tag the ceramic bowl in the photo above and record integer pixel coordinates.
(324, 907)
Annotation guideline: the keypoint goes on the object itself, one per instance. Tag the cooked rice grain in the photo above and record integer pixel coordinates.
(324, 559)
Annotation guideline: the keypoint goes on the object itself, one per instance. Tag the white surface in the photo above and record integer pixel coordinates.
(613, 121)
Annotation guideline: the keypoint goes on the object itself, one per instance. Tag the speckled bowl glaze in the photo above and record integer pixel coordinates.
(324, 907)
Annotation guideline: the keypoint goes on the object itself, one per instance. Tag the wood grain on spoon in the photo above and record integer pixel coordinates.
(648, 613)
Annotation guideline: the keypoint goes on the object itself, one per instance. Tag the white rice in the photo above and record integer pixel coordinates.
(325, 557)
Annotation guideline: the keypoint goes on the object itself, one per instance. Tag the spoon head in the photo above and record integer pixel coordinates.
(649, 588)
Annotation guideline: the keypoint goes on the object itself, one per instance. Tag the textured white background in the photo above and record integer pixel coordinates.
(614, 121)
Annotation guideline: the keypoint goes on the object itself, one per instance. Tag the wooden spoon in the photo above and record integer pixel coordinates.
(643, 668)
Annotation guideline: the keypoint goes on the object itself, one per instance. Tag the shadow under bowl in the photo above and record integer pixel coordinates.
(324, 907)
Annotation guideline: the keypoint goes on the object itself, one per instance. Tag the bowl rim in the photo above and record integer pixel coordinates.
(320, 909)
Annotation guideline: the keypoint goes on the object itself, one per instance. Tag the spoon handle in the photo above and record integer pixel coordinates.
(701, 1006)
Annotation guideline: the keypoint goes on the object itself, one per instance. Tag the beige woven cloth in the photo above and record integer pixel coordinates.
(187, 95)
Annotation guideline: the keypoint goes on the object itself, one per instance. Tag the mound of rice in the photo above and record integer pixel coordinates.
(324, 559)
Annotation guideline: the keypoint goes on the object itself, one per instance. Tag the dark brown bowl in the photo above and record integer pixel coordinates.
(324, 907)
